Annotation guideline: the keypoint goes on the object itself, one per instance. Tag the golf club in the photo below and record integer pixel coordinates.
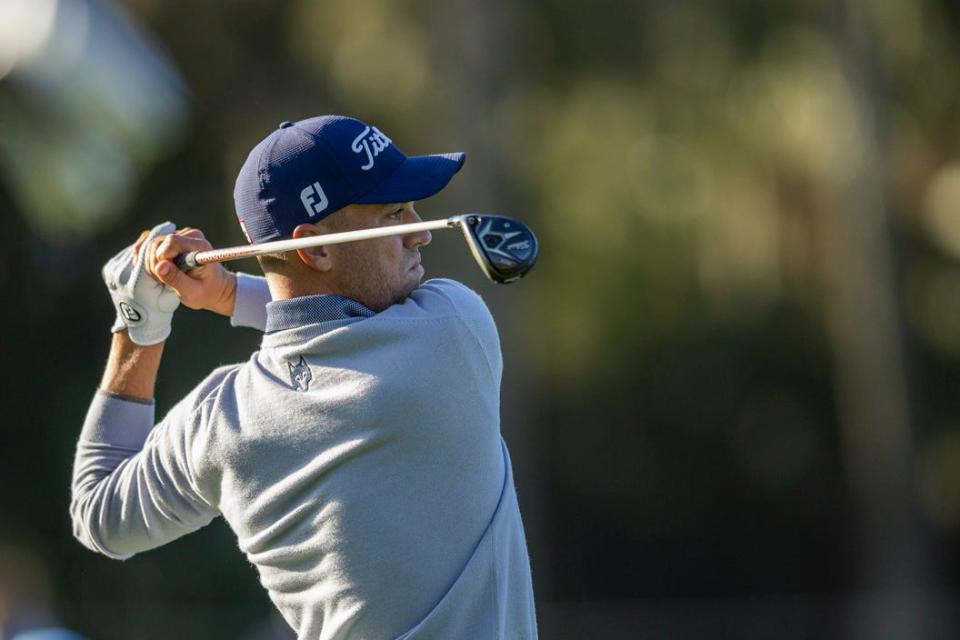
(505, 248)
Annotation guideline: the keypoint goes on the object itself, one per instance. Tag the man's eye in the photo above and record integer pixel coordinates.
(397, 215)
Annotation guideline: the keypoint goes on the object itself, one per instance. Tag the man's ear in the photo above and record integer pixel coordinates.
(316, 258)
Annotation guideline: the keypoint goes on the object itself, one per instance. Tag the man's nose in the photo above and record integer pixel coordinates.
(418, 239)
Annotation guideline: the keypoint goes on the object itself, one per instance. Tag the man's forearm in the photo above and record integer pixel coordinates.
(133, 484)
(131, 369)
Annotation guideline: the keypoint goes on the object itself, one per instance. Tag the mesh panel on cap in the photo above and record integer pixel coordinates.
(247, 198)
(281, 193)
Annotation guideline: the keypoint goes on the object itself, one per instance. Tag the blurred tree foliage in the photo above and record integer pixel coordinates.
(673, 158)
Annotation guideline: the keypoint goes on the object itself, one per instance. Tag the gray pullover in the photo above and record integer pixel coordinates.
(356, 456)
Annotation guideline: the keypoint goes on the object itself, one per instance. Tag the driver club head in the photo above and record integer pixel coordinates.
(505, 248)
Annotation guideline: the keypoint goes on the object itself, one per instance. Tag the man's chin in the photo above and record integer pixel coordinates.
(407, 290)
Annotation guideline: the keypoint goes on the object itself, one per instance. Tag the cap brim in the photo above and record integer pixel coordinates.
(416, 178)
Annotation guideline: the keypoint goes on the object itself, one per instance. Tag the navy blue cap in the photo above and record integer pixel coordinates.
(306, 170)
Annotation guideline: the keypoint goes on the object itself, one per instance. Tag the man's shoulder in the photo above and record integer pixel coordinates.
(210, 387)
(454, 299)
(452, 296)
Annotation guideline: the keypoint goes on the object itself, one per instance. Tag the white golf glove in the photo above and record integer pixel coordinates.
(144, 306)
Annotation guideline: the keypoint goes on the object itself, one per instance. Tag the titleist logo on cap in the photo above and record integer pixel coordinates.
(371, 142)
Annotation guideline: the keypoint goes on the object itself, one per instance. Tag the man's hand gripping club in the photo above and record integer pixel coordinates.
(211, 287)
(145, 304)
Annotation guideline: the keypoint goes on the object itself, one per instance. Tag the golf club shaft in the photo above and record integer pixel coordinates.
(198, 258)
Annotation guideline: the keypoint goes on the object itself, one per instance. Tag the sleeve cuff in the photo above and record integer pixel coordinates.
(117, 420)
(250, 304)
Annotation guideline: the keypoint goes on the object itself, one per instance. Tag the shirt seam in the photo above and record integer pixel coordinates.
(355, 320)
(125, 398)
(211, 396)
(470, 330)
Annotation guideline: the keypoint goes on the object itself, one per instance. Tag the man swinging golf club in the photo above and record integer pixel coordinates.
(357, 455)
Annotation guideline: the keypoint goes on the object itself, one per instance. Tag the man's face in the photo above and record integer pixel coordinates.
(383, 271)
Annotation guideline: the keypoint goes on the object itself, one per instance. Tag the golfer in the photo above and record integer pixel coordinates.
(357, 455)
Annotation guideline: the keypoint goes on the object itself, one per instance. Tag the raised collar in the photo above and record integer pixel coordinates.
(296, 312)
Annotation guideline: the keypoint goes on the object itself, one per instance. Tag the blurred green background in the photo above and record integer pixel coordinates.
(731, 381)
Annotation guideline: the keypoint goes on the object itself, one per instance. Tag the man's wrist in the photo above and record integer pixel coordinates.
(228, 297)
(131, 368)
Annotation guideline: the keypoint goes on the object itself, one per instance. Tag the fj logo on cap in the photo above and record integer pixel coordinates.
(307, 198)
(370, 142)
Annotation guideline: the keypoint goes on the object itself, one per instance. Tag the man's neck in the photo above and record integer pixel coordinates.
(283, 286)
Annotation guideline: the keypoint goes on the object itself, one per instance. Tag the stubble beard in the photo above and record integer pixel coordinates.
(376, 292)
